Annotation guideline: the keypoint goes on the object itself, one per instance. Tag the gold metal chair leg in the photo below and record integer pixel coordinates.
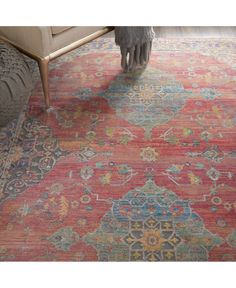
(43, 68)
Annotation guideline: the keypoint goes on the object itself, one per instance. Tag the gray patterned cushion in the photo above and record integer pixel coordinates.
(15, 83)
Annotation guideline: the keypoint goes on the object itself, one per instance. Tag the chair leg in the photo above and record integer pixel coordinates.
(43, 68)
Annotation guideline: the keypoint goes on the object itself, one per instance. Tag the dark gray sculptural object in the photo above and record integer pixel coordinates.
(135, 45)
(15, 83)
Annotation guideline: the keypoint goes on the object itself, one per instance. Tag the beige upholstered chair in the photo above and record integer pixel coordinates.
(46, 43)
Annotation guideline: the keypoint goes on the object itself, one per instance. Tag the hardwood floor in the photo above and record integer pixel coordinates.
(194, 31)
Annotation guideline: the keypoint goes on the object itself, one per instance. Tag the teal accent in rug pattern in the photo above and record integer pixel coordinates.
(147, 98)
(151, 223)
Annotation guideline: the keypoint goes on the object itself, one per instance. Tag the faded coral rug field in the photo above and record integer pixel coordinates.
(126, 167)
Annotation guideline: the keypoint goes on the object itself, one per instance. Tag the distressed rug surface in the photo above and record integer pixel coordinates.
(125, 167)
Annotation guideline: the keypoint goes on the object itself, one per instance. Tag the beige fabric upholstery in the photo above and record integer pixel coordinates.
(36, 40)
(71, 35)
(40, 42)
(58, 29)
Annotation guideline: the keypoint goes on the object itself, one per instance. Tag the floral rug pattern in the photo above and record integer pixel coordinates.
(125, 167)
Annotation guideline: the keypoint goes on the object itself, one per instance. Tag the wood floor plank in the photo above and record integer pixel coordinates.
(191, 31)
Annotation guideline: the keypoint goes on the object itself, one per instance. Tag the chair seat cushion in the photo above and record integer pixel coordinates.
(59, 29)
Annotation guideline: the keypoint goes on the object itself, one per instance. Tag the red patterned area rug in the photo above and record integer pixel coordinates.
(125, 167)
